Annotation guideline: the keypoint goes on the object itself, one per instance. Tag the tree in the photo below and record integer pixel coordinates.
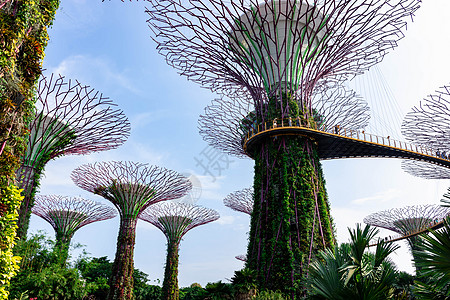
(41, 275)
(350, 272)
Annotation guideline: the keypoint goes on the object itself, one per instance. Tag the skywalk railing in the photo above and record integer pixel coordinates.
(337, 130)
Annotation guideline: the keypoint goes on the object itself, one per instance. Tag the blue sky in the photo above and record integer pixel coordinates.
(108, 46)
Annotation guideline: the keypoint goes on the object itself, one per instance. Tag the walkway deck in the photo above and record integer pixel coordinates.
(335, 142)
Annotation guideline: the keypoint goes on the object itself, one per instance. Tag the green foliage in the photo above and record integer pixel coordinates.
(9, 206)
(23, 37)
(41, 275)
(194, 292)
(433, 264)
(218, 291)
(350, 272)
(97, 271)
(270, 295)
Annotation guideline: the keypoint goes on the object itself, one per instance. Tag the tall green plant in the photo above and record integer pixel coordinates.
(432, 260)
(350, 272)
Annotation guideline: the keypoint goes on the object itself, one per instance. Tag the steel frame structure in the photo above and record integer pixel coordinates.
(408, 220)
(131, 187)
(241, 201)
(278, 54)
(227, 121)
(175, 220)
(68, 214)
(70, 118)
(429, 124)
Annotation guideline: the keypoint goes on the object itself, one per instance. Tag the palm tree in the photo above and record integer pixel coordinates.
(350, 272)
(433, 258)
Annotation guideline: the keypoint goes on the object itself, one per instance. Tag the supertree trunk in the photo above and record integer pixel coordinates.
(291, 220)
(62, 247)
(170, 289)
(121, 281)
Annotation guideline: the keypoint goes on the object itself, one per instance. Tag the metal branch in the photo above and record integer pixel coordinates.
(176, 219)
(240, 201)
(429, 123)
(409, 219)
(70, 119)
(425, 170)
(68, 214)
(227, 121)
(131, 186)
(263, 49)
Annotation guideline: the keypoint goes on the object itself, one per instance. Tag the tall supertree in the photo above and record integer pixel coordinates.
(70, 118)
(175, 220)
(428, 124)
(23, 38)
(240, 201)
(131, 187)
(67, 215)
(278, 54)
(408, 220)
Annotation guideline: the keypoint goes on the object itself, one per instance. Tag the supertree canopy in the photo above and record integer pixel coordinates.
(429, 124)
(240, 201)
(175, 220)
(227, 121)
(69, 119)
(131, 187)
(279, 54)
(408, 220)
(67, 215)
(425, 170)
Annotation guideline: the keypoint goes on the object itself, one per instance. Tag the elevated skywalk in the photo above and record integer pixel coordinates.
(335, 142)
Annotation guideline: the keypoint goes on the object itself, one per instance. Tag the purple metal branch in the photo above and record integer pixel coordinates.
(262, 49)
(130, 186)
(429, 123)
(68, 214)
(227, 121)
(408, 219)
(425, 170)
(240, 201)
(175, 219)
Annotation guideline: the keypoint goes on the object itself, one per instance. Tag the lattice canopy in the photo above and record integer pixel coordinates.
(68, 214)
(240, 201)
(70, 118)
(267, 49)
(409, 219)
(429, 123)
(425, 170)
(176, 219)
(227, 121)
(131, 186)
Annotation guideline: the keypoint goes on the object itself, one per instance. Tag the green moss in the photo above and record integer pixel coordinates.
(291, 221)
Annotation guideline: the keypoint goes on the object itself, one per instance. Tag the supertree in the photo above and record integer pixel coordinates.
(227, 121)
(70, 118)
(240, 201)
(131, 187)
(67, 215)
(278, 53)
(429, 124)
(23, 38)
(175, 220)
(408, 220)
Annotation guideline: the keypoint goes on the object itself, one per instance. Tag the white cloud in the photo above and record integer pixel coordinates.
(88, 68)
(383, 196)
(225, 220)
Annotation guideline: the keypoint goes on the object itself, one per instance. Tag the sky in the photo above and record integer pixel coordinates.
(107, 45)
